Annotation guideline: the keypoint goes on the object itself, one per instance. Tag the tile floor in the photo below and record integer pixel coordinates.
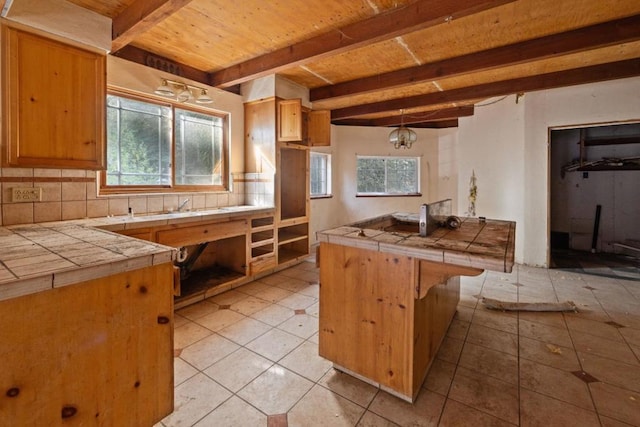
(248, 357)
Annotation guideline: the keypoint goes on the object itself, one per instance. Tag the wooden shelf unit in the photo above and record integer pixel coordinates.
(586, 165)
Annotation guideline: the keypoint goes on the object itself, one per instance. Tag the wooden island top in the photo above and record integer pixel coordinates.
(388, 294)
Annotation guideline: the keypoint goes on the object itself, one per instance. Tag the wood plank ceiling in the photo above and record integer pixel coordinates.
(377, 62)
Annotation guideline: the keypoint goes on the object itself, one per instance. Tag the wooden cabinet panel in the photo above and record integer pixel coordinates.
(260, 136)
(319, 128)
(289, 120)
(54, 103)
(185, 236)
(93, 353)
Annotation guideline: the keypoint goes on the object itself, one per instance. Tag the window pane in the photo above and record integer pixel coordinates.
(199, 139)
(388, 175)
(319, 174)
(371, 175)
(138, 142)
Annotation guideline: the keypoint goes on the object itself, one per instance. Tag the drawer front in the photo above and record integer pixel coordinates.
(262, 264)
(192, 235)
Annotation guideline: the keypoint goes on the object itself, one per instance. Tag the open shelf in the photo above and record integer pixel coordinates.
(293, 233)
(259, 223)
(293, 183)
(260, 236)
(293, 250)
(262, 250)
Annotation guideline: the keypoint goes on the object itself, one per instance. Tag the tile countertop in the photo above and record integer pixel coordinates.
(38, 257)
(486, 244)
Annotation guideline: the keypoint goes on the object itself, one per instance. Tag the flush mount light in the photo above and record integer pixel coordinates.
(184, 92)
(402, 137)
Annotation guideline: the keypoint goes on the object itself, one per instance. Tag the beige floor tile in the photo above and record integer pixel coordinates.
(501, 321)
(311, 290)
(456, 414)
(233, 413)
(603, 347)
(194, 399)
(182, 371)
(228, 298)
(593, 327)
(244, 330)
(490, 362)
(610, 422)
(275, 344)
(450, 350)
(548, 354)
(293, 284)
(252, 288)
(273, 315)
(545, 333)
(556, 383)
(494, 339)
(208, 351)
(458, 329)
(297, 301)
(189, 333)
(301, 325)
(197, 310)
(179, 320)
(611, 371)
(439, 377)
(546, 318)
(425, 411)
(322, 407)
(313, 310)
(315, 338)
(485, 394)
(349, 387)
(250, 305)
(305, 361)
(631, 335)
(468, 300)
(276, 390)
(238, 369)
(464, 313)
(273, 294)
(369, 419)
(543, 411)
(274, 279)
(219, 319)
(616, 402)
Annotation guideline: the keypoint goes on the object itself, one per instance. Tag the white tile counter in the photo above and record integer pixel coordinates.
(37, 257)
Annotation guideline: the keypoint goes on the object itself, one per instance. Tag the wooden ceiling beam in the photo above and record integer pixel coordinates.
(139, 17)
(414, 119)
(438, 124)
(591, 37)
(418, 15)
(577, 76)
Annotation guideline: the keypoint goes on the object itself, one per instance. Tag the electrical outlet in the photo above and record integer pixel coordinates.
(26, 194)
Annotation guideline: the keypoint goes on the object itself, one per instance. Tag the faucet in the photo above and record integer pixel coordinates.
(181, 205)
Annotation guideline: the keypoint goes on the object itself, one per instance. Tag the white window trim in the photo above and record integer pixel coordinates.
(328, 193)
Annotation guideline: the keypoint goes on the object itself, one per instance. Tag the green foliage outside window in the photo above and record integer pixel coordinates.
(388, 175)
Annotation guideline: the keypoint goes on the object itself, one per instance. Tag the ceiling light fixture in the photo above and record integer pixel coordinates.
(182, 91)
(402, 136)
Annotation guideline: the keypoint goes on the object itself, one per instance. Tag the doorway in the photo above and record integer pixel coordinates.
(595, 199)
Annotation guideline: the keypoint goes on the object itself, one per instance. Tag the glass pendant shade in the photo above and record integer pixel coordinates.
(164, 89)
(402, 137)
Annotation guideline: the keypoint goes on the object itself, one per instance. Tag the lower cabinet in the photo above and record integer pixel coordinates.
(98, 352)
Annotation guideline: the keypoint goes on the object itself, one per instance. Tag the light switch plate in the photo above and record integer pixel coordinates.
(26, 194)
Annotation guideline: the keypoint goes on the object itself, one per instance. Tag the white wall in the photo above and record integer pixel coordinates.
(347, 142)
(507, 145)
(491, 144)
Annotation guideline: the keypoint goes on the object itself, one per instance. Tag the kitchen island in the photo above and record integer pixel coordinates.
(388, 294)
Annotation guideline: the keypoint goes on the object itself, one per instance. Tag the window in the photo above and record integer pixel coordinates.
(320, 171)
(388, 176)
(155, 145)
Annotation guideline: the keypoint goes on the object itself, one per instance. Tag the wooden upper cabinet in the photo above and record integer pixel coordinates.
(289, 120)
(319, 128)
(54, 103)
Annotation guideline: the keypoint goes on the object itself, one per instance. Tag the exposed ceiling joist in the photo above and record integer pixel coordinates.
(591, 37)
(139, 17)
(438, 124)
(410, 118)
(591, 74)
(418, 15)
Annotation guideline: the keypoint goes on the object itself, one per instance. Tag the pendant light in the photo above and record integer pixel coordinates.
(402, 136)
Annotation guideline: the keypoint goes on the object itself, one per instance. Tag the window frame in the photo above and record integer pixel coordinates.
(328, 192)
(105, 189)
(417, 193)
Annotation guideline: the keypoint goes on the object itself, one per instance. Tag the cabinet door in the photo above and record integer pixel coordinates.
(319, 128)
(289, 120)
(54, 103)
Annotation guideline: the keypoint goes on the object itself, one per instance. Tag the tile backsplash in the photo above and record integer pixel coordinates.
(72, 194)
